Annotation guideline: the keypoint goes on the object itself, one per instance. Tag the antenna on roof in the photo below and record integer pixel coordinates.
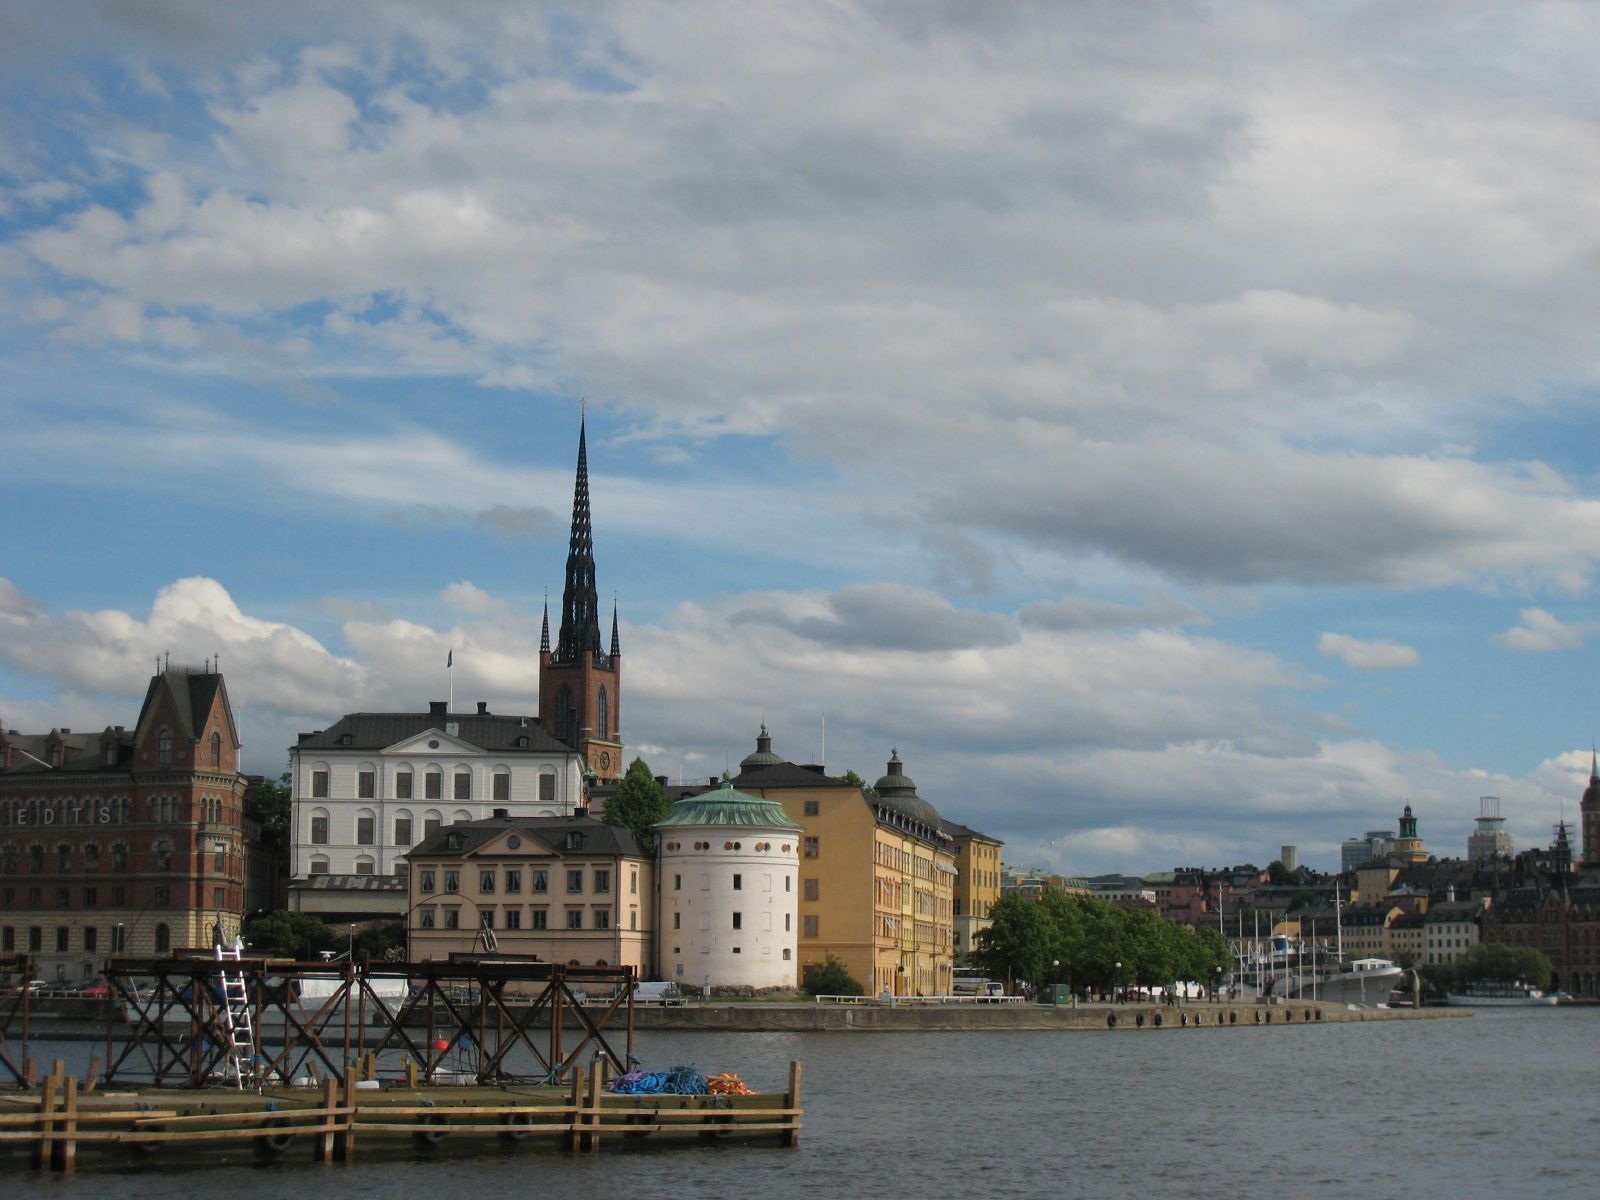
(166, 656)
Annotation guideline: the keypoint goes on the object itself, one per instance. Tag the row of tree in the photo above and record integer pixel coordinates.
(1081, 941)
(1490, 962)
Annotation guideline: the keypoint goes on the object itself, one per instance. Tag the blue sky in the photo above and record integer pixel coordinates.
(1173, 430)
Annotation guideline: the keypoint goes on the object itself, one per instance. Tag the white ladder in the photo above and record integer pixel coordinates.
(236, 1024)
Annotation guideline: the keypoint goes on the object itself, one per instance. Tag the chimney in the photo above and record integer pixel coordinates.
(814, 768)
(483, 708)
(662, 780)
(501, 814)
(436, 708)
(713, 781)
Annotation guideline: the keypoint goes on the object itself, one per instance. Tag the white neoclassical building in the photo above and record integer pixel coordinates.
(373, 785)
(728, 869)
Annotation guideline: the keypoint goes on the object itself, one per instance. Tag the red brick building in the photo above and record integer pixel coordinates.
(123, 841)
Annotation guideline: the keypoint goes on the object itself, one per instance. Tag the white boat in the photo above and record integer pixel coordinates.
(1500, 995)
(1365, 981)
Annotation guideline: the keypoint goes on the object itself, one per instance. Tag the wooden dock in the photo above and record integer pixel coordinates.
(51, 1126)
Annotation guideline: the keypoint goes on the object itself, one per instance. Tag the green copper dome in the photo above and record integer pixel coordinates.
(727, 806)
(763, 756)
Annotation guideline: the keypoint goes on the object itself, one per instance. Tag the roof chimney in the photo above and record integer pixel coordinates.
(483, 708)
(501, 814)
(436, 708)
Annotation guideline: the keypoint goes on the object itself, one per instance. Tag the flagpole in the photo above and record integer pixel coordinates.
(450, 673)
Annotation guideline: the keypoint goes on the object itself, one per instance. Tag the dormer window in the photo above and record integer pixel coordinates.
(574, 841)
(453, 842)
(346, 739)
(522, 742)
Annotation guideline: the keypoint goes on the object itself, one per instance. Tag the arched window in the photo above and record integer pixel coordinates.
(163, 849)
(602, 716)
(566, 716)
(164, 746)
(216, 749)
(163, 938)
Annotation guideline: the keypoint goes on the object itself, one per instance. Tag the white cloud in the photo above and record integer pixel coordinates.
(1542, 633)
(1368, 655)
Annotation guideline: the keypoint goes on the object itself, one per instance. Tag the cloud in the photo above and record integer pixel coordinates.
(1542, 633)
(882, 616)
(519, 523)
(1367, 655)
(1084, 612)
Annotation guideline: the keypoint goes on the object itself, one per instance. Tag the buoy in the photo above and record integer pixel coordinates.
(441, 1045)
(274, 1144)
(516, 1126)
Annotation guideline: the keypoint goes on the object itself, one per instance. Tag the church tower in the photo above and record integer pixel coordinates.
(1589, 815)
(580, 684)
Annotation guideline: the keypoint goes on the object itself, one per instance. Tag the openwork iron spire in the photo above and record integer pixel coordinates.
(580, 607)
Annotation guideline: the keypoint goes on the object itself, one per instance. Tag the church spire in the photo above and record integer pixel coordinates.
(544, 632)
(580, 617)
(616, 644)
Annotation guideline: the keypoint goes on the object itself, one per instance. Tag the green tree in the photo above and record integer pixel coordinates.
(855, 780)
(638, 803)
(1018, 942)
(381, 941)
(290, 935)
(1497, 963)
(829, 978)
(268, 802)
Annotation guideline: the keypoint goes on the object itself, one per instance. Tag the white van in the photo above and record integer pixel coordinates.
(657, 993)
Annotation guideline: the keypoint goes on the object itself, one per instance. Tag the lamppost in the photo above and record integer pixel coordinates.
(350, 946)
(1116, 983)
(1055, 977)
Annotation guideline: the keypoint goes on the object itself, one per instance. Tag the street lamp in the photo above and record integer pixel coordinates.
(1116, 982)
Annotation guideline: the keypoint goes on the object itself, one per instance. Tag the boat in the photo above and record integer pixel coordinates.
(1500, 994)
(1365, 981)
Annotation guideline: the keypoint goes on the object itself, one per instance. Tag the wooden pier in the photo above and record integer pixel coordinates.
(52, 1125)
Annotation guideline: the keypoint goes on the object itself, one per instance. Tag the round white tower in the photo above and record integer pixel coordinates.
(729, 874)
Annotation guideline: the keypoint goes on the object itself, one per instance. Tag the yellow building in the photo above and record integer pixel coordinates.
(977, 885)
(877, 873)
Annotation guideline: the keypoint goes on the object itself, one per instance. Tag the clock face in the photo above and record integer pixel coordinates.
(605, 760)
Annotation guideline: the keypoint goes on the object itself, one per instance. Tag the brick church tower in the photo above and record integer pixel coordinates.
(580, 684)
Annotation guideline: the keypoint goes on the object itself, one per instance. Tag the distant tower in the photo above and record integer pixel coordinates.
(1491, 839)
(1408, 847)
(1589, 814)
(1289, 856)
(580, 683)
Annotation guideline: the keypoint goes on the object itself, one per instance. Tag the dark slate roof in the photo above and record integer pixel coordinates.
(374, 731)
(956, 830)
(350, 883)
(193, 693)
(598, 837)
(782, 775)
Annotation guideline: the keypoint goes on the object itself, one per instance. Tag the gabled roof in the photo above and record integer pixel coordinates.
(958, 831)
(378, 731)
(193, 693)
(549, 832)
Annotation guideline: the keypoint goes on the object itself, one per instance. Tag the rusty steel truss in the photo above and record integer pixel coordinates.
(459, 1022)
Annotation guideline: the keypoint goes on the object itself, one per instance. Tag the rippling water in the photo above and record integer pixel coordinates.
(1499, 1105)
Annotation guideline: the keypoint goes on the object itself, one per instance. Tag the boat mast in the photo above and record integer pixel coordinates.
(1338, 924)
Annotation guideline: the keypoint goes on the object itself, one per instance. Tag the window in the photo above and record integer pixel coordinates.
(538, 881)
(430, 824)
(574, 918)
(738, 920)
(63, 858)
(36, 857)
(602, 880)
(463, 785)
(402, 785)
(163, 938)
(486, 879)
(813, 807)
(91, 897)
(540, 919)
(502, 786)
(366, 785)
(63, 939)
(164, 746)
(119, 897)
(219, 857)
(319, 829)
(452, 881)
(216, 749)
(319, 784)
(786, 954)
(633, 883)
(402, 831)
(119, 939)
(8, 939)
(425, 880)
(602, 719)
(63, 898)
(786, 928)
(35, 937)
(788, 883)
(217, 898)
(547, 788)
(677, 920)
(119, 856)
(513, 918)
(366, 834)
(432, 785)
(513, 881)
(602, 918)
(738, 882)
(808, 927)
(574, 881)
(163, 849)
(809, 889)
(163, 896)
(365, 866)
(426, 921)
(452, 918)
(811, 847)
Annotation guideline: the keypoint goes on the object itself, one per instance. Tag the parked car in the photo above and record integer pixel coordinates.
(97, 991)
(661, 992)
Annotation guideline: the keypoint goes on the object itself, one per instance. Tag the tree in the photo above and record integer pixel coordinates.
(829, 978)
(1018, 942)
(270, 804)
(1496, 963)
(855, 780)
(638, 803)
(290, 935)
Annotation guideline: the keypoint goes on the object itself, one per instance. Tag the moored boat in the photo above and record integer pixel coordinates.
(1498, 994)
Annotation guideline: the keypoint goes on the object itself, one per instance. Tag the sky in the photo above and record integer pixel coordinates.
(1171, 427)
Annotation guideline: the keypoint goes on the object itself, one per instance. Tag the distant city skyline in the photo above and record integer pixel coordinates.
(1173, 431)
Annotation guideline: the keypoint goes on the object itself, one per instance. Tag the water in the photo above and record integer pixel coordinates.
(1496, 1105)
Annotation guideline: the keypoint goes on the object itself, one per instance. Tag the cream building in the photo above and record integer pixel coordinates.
(729, 871)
